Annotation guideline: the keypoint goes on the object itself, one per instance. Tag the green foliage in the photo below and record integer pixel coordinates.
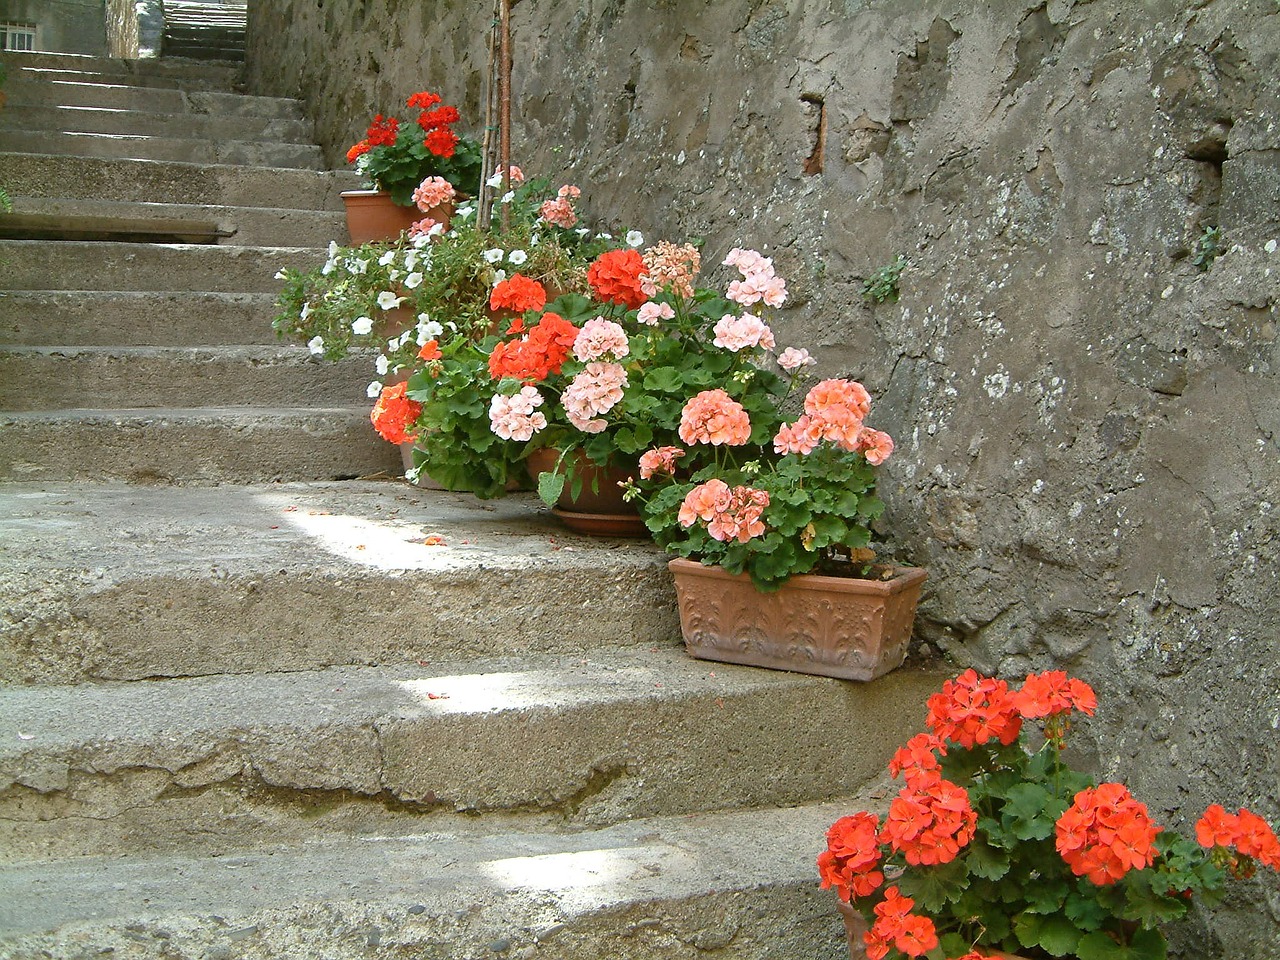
(6, 205)
(1208, 248)
(398, 168)
(882, 285)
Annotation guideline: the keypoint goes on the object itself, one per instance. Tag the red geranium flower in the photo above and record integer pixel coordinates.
(382, 132)
(441, 142)
(1105, 833)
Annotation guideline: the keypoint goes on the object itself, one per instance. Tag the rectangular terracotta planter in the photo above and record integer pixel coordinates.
(829, 626)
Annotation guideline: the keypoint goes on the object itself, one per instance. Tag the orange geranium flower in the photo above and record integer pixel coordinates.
(971, 710)
(394, 414)
(930, 821)
(519, 293)
(430, 351)
(1105, 833)
(852, 859)
(1051, 692)
(615, 276)
(714, 417)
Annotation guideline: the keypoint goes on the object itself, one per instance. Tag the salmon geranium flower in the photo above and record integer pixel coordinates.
(714, 417)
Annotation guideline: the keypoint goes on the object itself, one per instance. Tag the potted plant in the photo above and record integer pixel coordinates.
(996, 847)
(422, 306)
(768, 512)
(395, 158)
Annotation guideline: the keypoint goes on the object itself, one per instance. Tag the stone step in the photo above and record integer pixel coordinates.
(30, 265)
(146, 181)
(114, 581)
(200, 445)
(148, 71)
(24, 92)
(174, 126)
(610, 735)
(178, 150)
(738, 884)
(171, 222)
(105, 318)
(53, 378)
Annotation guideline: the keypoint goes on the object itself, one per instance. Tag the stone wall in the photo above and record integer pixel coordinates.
(69, 26)
(1088, 423)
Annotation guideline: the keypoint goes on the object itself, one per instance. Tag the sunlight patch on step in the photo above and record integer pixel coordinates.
(586, 872)
(378, 545)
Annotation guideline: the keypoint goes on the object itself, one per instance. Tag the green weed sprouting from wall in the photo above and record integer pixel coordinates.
(882, 285)
(1208, 248)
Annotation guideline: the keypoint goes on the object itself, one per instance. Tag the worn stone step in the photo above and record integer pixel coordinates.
(610, 735)
(121, 318)
(738, 884)
(54, 378)
(24, 92)
(148, 181)
(146, 71)
(174, 126)
(118, 582)
(29, 265)
(173, 222)
(180, 150)
(200, 445)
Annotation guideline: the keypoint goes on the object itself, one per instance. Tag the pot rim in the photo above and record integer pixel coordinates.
(904, 577)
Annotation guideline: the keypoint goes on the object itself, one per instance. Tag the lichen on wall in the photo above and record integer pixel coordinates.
(1086, 399)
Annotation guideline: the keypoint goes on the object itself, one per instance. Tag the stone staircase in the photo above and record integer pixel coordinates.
(248, 710)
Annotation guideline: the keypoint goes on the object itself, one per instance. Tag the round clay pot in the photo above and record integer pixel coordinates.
(372, 215)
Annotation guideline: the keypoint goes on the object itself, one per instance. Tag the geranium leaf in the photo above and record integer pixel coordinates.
(550, 486)
(1053, 933)
(986, 861)
(1030, 811)
(933, 887)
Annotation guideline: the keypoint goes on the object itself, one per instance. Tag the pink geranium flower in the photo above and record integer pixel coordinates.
(875, 446)
(792, 359)
(739, 333)
(650, 313)
(600, 338)
(516, 417)
(593, 392)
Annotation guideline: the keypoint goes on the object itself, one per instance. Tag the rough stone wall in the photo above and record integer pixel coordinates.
(1088, 424)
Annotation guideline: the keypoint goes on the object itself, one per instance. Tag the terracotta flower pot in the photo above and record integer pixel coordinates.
(596, 512)
(829, 626)
(373, 215)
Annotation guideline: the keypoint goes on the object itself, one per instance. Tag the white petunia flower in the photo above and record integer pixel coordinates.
(582, 231)
(373, 389)
(362, 325)
(357, 265)
(316, 346)
(279, 274)
(635, 238)
(306, 311)
(430, 330)
(412, 474)
(493, 255)
(413, 280)
(388, 300)
(411, 260)
(387, 258)
(533, 240)
(508, 196)
(383, 365)
(495, 181)
(604, 236)
(517, 257)
(405, 338)
(499, 276)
